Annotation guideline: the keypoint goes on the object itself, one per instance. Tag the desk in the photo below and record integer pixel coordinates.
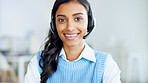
(20, 60)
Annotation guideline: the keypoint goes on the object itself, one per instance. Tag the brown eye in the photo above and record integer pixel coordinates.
(78, 19)
(61, 20)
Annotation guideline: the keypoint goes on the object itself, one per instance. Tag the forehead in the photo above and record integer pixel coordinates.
(71, 8)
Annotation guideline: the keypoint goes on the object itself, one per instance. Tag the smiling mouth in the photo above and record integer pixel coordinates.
(71, 36)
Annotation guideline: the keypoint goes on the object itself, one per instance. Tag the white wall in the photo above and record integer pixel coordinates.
(20, 17)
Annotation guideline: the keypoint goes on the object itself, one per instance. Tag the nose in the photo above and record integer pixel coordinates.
(70, 26)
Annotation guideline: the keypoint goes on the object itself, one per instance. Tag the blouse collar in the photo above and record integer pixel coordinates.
(87, 53)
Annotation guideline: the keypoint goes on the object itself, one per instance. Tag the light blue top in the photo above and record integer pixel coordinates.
(84, 70)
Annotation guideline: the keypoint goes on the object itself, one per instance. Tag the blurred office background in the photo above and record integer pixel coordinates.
(121, 30)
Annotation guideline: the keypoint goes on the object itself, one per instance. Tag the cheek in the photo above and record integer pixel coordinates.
(85, 30)
(85, 24)
(60, 29)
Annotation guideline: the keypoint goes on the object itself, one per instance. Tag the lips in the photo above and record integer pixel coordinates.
(71, 36)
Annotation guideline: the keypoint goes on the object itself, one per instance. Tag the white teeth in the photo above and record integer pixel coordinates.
(71, 35)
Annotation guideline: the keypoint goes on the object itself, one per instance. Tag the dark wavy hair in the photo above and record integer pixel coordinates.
(50, 54)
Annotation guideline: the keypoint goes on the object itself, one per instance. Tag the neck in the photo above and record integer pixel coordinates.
(73, 52)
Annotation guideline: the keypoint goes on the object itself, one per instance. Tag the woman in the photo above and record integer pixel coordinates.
(66, 57)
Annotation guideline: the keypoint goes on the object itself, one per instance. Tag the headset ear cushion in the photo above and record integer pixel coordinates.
(52, 25)
(90, 26)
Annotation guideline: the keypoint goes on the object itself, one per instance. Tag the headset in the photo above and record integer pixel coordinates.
(89, 28)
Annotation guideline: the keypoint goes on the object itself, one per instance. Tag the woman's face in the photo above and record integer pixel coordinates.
(71, 23)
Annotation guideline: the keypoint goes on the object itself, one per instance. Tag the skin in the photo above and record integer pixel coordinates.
(72, 19)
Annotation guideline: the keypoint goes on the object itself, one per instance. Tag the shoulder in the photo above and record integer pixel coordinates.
(111, 71)
(101, 55)
(35, 58)
(106, 58)
(38, 57)
(32, 74)
(38, 54)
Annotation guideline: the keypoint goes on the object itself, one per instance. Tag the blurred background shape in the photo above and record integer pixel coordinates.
(121, 29)
(7, 74)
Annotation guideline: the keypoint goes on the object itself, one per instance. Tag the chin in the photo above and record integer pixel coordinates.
(73, 43)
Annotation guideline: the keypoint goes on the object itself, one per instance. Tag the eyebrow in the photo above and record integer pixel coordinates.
(72, 15)
(61, 15)
(77, 14)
